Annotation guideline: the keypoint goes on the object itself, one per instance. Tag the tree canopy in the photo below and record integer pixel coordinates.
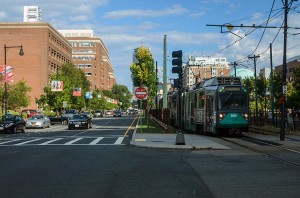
(143, 72)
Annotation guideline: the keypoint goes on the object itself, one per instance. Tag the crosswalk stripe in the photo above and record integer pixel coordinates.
(50, 141)
(28, 142)
(96, 141)
(10, 141)
(119, 140)
(73, 141)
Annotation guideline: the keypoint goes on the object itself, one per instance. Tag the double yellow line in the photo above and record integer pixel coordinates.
(126, 133)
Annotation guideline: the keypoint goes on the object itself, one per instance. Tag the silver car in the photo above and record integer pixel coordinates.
(38, 121)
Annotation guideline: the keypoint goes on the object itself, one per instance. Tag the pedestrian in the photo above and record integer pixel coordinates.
(28, 113)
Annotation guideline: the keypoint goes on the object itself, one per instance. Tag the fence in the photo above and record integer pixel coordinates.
(292, 118)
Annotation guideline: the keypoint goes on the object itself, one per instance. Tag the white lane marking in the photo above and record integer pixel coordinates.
(10, 141)
(96, 141)
(105, 123)
(80, 133)
(50, 141)
(71, 142)
(27, 142)
(119, 140)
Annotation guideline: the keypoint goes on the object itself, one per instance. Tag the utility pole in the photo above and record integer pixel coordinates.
(234, 66)
(272, 85)
(165, 102)
(282, 121)
(255, 87)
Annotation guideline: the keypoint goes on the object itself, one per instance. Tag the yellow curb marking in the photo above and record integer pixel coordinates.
(140, 140)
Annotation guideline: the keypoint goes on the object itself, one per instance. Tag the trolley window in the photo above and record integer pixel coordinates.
(200, 100)
(233, 101)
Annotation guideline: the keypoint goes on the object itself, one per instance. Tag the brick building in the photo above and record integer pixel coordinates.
(91, 55)
(200, 68)
(45, 50)
(291, 64)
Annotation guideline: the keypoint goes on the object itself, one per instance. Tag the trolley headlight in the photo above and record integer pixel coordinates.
(222, 115)
(245, 115)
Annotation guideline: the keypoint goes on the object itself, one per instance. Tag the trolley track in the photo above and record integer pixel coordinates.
(261, 148)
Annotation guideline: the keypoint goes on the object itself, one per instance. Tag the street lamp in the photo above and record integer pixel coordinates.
(21, 53)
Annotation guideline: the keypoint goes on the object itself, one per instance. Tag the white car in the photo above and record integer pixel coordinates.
(38, 121)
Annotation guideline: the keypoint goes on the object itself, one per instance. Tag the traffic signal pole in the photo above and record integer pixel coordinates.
(177, 62)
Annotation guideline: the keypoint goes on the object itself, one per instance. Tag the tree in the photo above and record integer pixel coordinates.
(18, 95)
(97, 101)
(72, 77)
(277, 87)
(143, 73)
(122, 94)
(293, 94)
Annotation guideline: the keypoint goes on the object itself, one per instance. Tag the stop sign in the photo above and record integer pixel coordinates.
(141, 93)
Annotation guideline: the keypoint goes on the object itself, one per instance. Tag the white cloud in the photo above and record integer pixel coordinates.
(173, 10)
(2, 15)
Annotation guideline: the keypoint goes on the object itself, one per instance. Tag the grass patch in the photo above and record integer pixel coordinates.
(150, 126)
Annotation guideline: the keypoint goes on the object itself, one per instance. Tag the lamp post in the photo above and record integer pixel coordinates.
(21, 53)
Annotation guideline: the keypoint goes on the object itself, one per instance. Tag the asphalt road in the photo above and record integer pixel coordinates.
(99, 162)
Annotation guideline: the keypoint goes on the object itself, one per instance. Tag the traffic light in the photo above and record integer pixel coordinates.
(176, 83)
(177, 62)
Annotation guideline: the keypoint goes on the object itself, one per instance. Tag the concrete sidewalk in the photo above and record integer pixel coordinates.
(168, 141)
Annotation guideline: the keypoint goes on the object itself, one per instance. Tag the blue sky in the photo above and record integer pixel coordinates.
(124, 25)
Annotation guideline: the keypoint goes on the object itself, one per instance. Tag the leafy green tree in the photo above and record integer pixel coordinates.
(262, 85)
(122, 94)
(97, 101)
(72, 77)
(143, 73)
(277, 87)
(293, 94)
(18, 95)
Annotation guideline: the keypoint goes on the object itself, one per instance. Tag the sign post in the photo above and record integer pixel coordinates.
(141, 93)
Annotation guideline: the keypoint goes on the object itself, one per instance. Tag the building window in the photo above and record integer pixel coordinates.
(80, 66)
(88, 74)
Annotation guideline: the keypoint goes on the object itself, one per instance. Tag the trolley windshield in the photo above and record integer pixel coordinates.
(231, 100)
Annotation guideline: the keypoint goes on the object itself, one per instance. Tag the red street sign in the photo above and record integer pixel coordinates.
(141, 93)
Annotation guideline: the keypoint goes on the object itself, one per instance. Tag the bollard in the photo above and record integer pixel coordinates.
(180, 138)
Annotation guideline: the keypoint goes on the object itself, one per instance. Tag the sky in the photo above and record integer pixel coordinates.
(124, 25)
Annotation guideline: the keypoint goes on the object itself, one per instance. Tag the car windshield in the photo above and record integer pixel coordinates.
(79, 116)
(8, 118)
(35, 117)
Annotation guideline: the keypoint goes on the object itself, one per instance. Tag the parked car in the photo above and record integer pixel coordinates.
(98, 113)
(131, 112)
(123, 111)
(80, 121)
(38, 121)
(89, 114)
(117, 113)
(13, 123)
(63, 119)
(108, 112)
(29, 112)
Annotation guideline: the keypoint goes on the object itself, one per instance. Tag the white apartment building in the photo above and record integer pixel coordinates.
(32, 14)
